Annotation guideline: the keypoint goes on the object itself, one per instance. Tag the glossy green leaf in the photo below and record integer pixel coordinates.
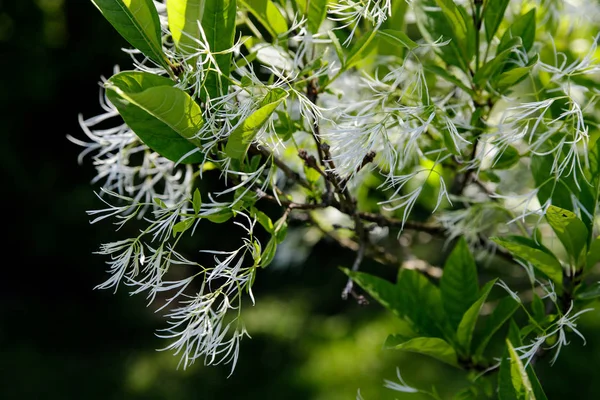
(464, 333)
(593, 254)
(513, 381)
(541, 258)
(218, 23)
(523, 27)
(315, 12)
(137, 21)
(263, 219)
(221, 216)
(433, 347)
(164, 117)
(397, 38)
(182, 226)
(569, 229)
(240, 139)
(268, 14)
(502, 312)
(183, 17)
(459, 285)
(269, 252)
(514, 335)
(493, 14)
(197, 201)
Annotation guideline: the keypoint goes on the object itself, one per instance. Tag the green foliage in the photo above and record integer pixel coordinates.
(164, 117)
(356, 119)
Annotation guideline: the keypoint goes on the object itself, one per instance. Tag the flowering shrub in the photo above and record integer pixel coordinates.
(374, 122)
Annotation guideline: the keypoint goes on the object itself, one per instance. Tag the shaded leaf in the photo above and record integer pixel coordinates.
(503, 311)
(459, 285)
(464, 333)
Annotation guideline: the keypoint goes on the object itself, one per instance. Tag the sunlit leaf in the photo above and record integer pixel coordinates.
(241, 138)
(164, 117)
(433, 347)
(268, 14)
(542, 259)
(137, 21)
(459, 285)
(569, 229)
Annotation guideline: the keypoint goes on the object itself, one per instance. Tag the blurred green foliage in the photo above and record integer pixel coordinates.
(60, 339)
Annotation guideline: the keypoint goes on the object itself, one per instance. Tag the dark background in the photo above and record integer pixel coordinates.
(61, 339)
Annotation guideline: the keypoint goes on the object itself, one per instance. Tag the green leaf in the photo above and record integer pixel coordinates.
(218, 22)
(269, 253)
(510, 78)
(268, 14)
(593, 254)
(413, 299)
(462, 28)
(513, 381)
(464, 333)
(183, 17)
(397, 38)
(509, 157)
(137, 21)
(540, 257)
(263, 219)
(588, 293)
(421, 303)
(315, 12)
(444, 74)
(491, 68)
(182, 226)
(164, 117)
(383, 291)
(433, 347)
(570, 230)
(459, 286)
(355, 55)
(523, 27)
(493, 14)
(432, 23)
(338, 47)
(503, 311)
(241, 137)
(219, 217)
(197, 201)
